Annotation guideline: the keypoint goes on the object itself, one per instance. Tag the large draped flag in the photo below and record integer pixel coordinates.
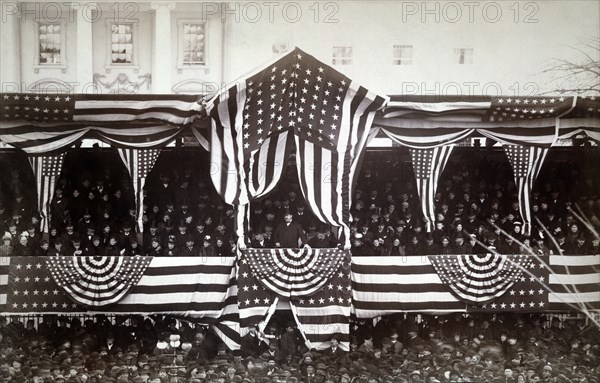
(328, 115)
(428, 165)
(430, 121)
(139, 162)
(197, 286)
(388, 285)
(316, 282)
(39, 123)
(46, 170)
(207, 288)
(526, 162)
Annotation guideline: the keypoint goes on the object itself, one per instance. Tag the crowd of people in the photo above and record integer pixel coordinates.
(477, 211)
(399, 349)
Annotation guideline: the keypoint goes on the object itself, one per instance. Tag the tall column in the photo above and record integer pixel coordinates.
(10, 47)
(85, 17)
(162, 64)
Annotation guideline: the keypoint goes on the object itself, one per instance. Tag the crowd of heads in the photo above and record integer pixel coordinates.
(476, 211)
(400, 349)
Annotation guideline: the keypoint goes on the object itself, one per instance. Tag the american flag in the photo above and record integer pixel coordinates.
(333, 117)
(430, 121)
(428, 165)
(139, 162)
(526, 294)
(526, 162)
(326, 313)
(197, 286)
(249, 133)
(294, 273)
(39, 123)
(585, 118)
(480, 278)
(46, 169)
(254, 299)
(97, 281)
(328, 115)
(321, 313)
(388, 285)
(520, 108)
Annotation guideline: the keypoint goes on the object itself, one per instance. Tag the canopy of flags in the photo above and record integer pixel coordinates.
(329, 117)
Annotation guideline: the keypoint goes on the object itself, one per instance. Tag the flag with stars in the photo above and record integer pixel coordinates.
(480, 278)
(249, 132)
(254, 299)
(97, 281)
(195, 286)
(328, 115)
(521, 108)
(584, 118)
(528, 293)
(526, 162)
(428, 165)
(46, 170)
(332, 119)
(294, 273)
(39, 123)
(139, 162)
(31, 288)
(326, 313)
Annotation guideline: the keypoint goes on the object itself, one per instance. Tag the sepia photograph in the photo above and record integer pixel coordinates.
(386, 191)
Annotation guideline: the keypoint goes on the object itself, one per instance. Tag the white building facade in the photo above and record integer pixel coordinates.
(393, 47)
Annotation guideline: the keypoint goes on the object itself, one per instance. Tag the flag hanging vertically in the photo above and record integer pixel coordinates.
(326, 314)
(46, 169)
(428, 165)
(329, 116)
(526, 162)
(139, 162)
(316, 282)
(253, 116)
(333, 117)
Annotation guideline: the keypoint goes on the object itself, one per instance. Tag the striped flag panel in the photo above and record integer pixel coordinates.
(294, 273)
(46, 170)
(97, 281)
(326, 313)
(480, 278)
(387, 285)
(139, 162)
(197, 286)
(428, 165)
(526, 162)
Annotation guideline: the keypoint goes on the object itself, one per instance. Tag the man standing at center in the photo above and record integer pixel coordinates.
(289, 234)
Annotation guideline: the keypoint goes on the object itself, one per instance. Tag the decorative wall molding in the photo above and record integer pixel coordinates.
(50, 85)
(194, 86)
(122, 83)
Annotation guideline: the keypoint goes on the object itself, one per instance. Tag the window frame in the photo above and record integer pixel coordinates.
(134, 48)
(468, 59)
(342, 58)
(180, 44)
(63, 46)
(400, 60)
